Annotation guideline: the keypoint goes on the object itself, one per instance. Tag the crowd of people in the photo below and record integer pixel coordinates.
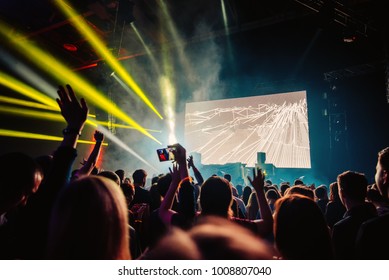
(50, 211)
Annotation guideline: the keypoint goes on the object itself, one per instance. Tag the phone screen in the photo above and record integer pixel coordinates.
(165, 154)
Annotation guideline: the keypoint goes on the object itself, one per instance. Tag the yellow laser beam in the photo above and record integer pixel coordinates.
(53, 67)
(29, 135)
(81, 25)
(25, 103)
(124, 126)
(26, 90)
(38, 114)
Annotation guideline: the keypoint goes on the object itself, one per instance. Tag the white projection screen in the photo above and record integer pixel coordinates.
(235, 130)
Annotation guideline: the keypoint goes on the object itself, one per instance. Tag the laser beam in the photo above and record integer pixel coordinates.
(81, 25)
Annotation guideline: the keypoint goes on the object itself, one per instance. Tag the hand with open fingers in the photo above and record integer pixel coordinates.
(259, 179)
(74, 112)
(175, 174)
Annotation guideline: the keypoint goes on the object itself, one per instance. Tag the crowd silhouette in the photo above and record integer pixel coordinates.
(50, 211)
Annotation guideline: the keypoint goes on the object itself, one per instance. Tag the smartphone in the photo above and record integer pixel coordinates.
(165, 154)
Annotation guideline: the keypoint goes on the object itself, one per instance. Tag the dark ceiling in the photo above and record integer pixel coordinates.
(41, 21)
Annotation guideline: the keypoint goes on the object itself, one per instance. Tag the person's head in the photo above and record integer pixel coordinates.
(334, 191)
(352, 187)
(139, 177)
(300, 189)
(300, 229)
(239, 189)
(268, 182)
(382, 172)
(321, 192)
(246, 194)
(187, 200)
(216, 197)
(20, 177)
(110, 175)
(272, 195)
(89, 221)
(154, 180)
(121, 174)
(175, 245)
(298, 182)
(220, 239)
(163, 183)
(284, 186)
(374, 196)
(128, 191)
(227, 177)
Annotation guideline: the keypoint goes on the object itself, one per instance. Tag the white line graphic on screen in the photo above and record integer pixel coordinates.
(237, 133)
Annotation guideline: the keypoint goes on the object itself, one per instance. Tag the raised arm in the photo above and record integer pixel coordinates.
(165, 211)
(88, 166)
(265, 224)
(74, 113)
(197, 174)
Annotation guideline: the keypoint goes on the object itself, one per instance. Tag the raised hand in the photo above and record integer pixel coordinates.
(74, 112)
(190, 162)
(99, 136)
(175, 174)
(259, 179)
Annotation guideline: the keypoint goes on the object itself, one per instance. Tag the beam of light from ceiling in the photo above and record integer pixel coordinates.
(28, 74)
(103, 123)
(37, 136)
(58, 70)
(177, 40)
(39, 114)
(57, 117)
(26, 90)
(225, 19)
(226, 29)
(147, 49)
(169, 94)
(23, 88)
(81, 25)
(25, 103)
(122, 145)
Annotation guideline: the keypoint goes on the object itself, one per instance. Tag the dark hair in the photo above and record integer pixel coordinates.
(20, 177)
(138, 176)
(303, 190)
(334, 192)
(164, 183)
(300, 229)
(246, 194)
(121, 174)
(283, 188)
(298, 182)
(227, 177)
(321, 192)
(216, 197)
(353, 185)
(110, 175)
(272, 194)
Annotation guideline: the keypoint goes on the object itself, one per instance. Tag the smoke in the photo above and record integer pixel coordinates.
(200, 83)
